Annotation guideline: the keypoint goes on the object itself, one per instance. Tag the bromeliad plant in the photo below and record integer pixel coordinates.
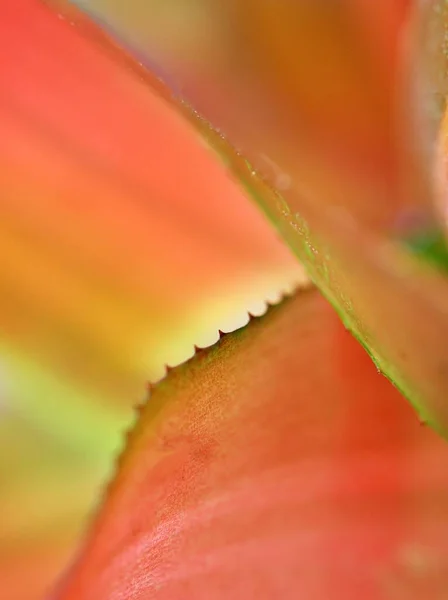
(123, 242)
(280, 463)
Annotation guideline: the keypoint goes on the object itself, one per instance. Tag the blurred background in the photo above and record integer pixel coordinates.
(124, 242)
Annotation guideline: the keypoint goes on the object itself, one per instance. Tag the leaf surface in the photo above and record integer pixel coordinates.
(327, 102)
(277, 464)
(117, 223)
(122, 242)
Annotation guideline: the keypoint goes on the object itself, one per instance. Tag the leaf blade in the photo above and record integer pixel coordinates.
(252, 475)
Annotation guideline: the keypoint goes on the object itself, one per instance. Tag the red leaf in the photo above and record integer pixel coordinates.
(117, 225)
(116, 219)
(278, 464)
(324, 99)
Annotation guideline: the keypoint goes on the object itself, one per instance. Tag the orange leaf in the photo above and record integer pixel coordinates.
(278, 464)
(116, 220)
(117, 227)
(323, 99)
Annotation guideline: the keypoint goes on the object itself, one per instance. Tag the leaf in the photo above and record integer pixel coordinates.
(115, 219)
(323, 99)
(320, 77)
(277, 464)
(117, 228)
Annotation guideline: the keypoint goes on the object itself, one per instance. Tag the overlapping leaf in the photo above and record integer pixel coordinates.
(117, 229)
(105, 217)
(277, 464)
(324, 100)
